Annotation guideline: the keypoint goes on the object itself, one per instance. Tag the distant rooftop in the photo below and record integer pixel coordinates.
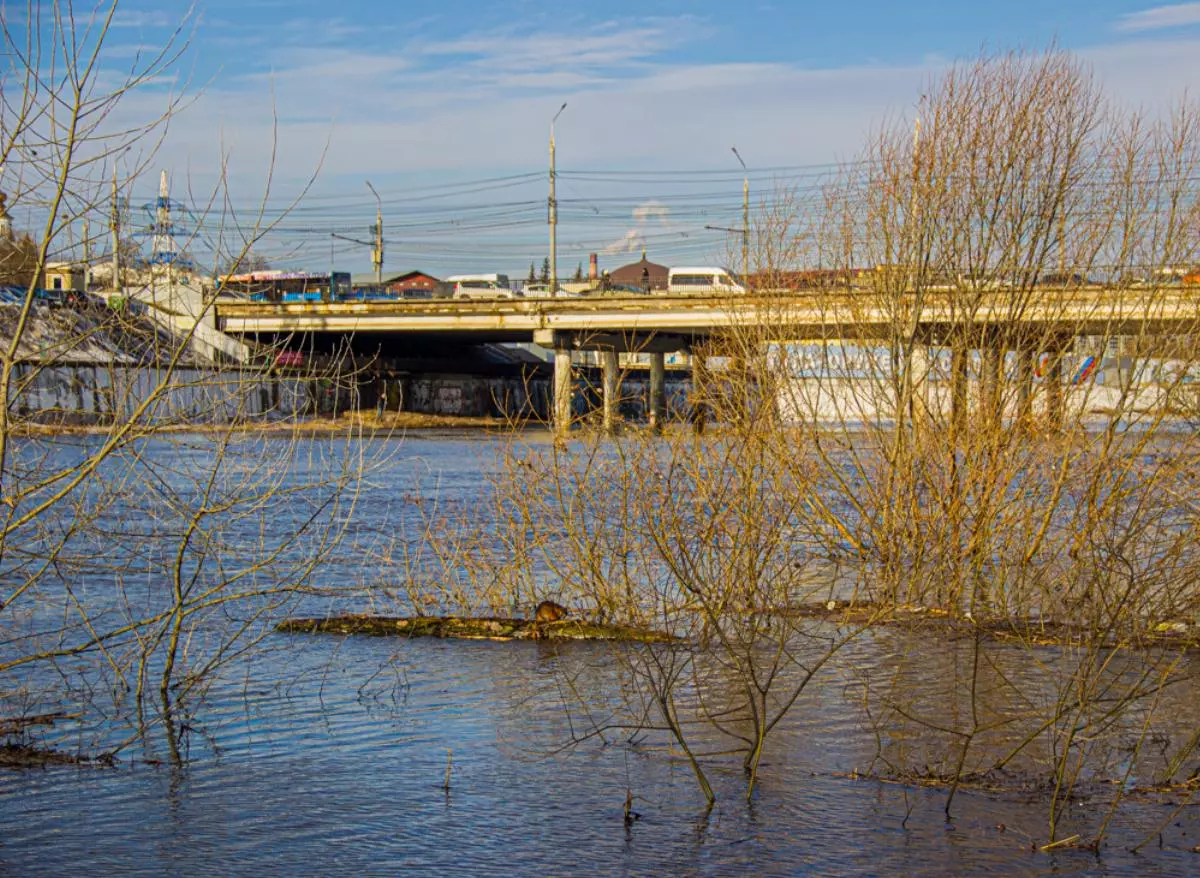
(367, 278)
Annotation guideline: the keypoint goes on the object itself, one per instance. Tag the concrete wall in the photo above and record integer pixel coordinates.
(633, 395)
(472, 396)
(463, 395)
(81, 395)
(100, 394)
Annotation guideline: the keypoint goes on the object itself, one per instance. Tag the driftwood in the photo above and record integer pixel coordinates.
(1044, 632)
(469, 628)
(12, 725)
(29, 756)
(1175, 634)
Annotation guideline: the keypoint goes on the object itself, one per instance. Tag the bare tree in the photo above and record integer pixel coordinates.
(139, 562)
(915, 436)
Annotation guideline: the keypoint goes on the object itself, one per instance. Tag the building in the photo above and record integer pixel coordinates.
(65, 276)
(414, 284)
(643, 274)
(807, 279)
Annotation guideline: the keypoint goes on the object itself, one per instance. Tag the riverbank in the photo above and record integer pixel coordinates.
(352, 422)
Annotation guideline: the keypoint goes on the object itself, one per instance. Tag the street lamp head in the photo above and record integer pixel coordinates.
(559, 113)
(739, 157)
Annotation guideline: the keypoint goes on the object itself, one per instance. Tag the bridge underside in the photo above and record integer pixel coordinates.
(466, 346)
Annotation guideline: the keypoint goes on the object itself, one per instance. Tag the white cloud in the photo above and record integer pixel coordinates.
(651, 210)
(382, 114)
(1161, 17)
(481, 106)
(630, 242)
(132, 50)
(142, 18)
(644, 215)
(609, 46)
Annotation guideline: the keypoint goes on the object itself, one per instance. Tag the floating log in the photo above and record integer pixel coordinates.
(12, 725)
(468, 628)
(28, 756)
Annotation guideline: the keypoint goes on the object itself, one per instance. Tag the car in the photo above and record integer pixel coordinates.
(481, 286)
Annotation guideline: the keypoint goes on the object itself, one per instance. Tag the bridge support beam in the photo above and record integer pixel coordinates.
(917, 385)
(1054, 391)
(699, 389)
(958, 390)
(992, 383)
(612, 368)
(658, 392)
(1024, 386)
(563, 385)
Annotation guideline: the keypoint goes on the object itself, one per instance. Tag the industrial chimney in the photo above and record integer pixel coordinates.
(593, 267)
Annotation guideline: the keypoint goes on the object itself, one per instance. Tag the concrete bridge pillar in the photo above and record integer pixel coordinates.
(920, 366)
(699, 389)
(958, 389)
(563, 385)
(658, 392)
(612, 367)
(1024, 385)
(992, 383)
(1054, 391)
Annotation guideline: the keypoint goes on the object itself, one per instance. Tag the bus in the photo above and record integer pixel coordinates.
(704, 279)
(288, 286)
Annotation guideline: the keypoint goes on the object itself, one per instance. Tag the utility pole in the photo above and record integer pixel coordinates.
(116, 237)
(911, 258)
(377, 253)
(553, 216)
(745, 217)
(87, 254)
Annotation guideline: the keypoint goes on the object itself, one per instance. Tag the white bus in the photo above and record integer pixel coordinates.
(481, 286)
(703, 279)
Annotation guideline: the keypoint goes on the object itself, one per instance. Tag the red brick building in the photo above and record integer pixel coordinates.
(410, 283)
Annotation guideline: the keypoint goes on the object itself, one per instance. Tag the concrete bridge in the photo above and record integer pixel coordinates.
(1026, 320)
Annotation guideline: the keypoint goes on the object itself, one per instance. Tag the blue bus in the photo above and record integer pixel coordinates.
(288, 286)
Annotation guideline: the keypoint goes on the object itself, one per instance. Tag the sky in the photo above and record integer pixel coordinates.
(445, 108)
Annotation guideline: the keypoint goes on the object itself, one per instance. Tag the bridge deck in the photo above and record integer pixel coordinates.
(841, 313)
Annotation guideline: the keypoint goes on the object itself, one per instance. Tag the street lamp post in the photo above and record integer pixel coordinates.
(377, 252)
(745, 217)
(553, 215)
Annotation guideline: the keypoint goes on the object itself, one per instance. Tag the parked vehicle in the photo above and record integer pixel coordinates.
(481, 286)
(704, 279)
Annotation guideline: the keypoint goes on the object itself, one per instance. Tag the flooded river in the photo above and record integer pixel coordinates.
(318, 755)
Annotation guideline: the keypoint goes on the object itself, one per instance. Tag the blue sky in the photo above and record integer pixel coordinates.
(420, 96)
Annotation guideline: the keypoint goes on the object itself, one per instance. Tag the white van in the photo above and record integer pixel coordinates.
(481, 286)
(705, 279)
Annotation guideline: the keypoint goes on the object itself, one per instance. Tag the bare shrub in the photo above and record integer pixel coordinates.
(147, 550)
